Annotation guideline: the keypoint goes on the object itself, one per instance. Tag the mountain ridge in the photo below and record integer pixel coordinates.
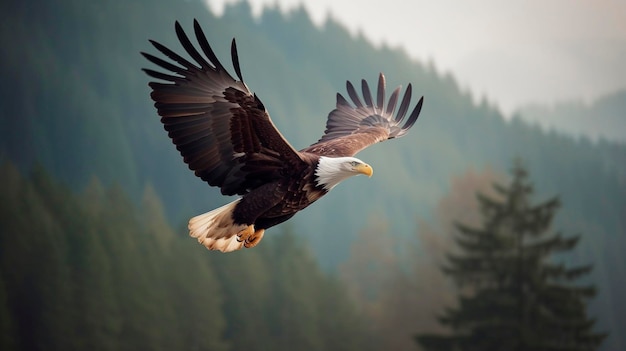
(79, 105)
(602, 119)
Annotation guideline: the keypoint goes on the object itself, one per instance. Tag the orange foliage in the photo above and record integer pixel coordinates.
(403, 292)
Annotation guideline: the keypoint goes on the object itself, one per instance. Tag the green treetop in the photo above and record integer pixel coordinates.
(514, 295)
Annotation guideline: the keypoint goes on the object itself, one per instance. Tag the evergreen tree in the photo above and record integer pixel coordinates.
(513, 293)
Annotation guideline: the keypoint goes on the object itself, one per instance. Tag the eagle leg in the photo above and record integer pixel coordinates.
(246, 233)
(254, 239)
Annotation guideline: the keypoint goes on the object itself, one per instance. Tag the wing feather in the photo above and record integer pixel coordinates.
(168, 66)
(412, 118)
(367, 94)
(380, 101)
(393, 100)
(233, 51)
(353, 94)
(350, 129)
(221, 129)
(163, 76)
(172, 55)
(206, 48)
(191, 50)
(404, 105)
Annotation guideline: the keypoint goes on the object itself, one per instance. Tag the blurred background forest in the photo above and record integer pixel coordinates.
(95, 199)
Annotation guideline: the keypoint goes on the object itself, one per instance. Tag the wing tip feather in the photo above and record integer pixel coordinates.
(235, 58)
(380, 98)
(414, 115)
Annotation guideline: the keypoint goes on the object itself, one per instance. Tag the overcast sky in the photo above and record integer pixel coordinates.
(513, 52)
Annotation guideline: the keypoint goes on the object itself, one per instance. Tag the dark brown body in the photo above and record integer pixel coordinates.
(275, 202)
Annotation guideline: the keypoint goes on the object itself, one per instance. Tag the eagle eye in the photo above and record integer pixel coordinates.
(354, 163)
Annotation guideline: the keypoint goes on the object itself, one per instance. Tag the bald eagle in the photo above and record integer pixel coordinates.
(225, 135)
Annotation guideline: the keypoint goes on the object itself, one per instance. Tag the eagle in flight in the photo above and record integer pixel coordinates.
(225, 135)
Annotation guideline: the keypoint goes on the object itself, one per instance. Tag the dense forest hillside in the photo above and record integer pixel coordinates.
(602, 119)
(76, 103)
(92, 271)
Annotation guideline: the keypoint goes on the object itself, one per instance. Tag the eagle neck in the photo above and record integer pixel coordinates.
(330, 171)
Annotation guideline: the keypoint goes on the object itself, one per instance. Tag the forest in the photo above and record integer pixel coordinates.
(91, 271)
(95, 198)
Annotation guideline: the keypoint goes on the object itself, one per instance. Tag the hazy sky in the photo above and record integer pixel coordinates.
(514, 52)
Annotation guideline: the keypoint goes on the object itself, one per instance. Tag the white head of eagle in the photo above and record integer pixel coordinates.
(332, 170)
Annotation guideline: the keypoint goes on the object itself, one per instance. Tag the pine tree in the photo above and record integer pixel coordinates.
(514, 295)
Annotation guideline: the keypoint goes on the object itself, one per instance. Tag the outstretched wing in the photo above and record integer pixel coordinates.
(350, 129)
(221, 129)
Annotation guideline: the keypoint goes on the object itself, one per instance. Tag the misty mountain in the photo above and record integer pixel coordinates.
(76, 103)
(604, 118)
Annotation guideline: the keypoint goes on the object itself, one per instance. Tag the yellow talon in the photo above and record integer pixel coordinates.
(254, 239)
(245, 234)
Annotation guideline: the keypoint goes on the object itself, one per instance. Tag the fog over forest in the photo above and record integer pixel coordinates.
(94, 250)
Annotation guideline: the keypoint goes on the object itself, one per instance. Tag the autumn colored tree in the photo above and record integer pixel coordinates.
(435, 240)
(385, 272)
(513, 294)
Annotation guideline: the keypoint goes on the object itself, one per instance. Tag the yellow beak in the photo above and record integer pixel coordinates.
(365, 169)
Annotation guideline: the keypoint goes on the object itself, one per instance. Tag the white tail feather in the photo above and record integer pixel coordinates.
(216, 229)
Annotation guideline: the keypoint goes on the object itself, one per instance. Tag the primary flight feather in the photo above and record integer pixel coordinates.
(226, 136)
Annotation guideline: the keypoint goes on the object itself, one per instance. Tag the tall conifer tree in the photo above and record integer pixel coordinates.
(514, 294)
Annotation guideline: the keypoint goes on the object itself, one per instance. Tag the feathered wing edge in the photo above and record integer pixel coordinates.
(347, 119)
(190, 100)
(219, 126)
(212, 64)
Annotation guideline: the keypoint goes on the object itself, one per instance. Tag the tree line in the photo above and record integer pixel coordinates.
(96, 271)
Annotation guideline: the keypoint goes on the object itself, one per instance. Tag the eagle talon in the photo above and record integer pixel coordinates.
(243, 235)
(254, 239)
